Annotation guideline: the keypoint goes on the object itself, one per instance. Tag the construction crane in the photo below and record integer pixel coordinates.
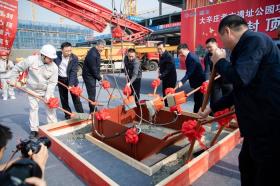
(33, 10)
(94, 16)
(130, 7)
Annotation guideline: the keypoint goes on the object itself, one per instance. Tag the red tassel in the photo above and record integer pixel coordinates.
(155, 83)
(53, 103)
(103, 114)
(77, 91)
(189, 130)
(106, 84)
(169, 91)
(176, 108)
(224, 121)
(203, 87)
(131, 136)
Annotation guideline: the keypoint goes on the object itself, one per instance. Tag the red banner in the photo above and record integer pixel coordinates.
(199, 24)
(8, 23)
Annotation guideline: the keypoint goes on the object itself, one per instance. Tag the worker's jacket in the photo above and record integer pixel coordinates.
(5, 67)
(42, 78)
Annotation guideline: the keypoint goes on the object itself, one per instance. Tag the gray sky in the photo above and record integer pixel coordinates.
(44, 15)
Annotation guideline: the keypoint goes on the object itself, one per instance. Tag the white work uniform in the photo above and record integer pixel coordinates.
(5, 67)
(41, 79)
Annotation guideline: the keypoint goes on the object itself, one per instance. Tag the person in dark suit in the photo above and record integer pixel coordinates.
(133, 72)
(221, 86)
(91, 70)
(254, 72)
(167, 69)
(67, 63)
(194, 73)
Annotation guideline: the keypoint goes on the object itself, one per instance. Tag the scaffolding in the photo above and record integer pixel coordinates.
(32, 35)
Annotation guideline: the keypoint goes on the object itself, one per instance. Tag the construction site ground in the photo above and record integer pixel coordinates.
(15, 113)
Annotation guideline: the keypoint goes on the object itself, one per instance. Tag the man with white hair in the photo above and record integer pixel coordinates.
(42, 79)
(91, 70)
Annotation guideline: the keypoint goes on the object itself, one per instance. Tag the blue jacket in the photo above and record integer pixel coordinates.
(194, 71)
(91, 68)
(254, 72)
(72, 68)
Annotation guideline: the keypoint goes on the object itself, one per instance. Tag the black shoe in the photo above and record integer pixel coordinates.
(33, 134)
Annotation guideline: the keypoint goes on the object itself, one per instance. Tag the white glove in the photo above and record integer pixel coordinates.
(180, 84)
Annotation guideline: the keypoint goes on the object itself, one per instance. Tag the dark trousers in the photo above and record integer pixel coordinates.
(258, 163)
(165, 85)
(136, 86)
(198, 99)
(63, 93)
(220, 89)
(90, 83)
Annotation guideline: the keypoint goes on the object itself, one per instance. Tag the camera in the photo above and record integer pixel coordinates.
(25, 167)
(32, 144)
(19, 171)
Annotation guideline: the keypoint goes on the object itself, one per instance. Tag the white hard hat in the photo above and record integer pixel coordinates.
(49, 51)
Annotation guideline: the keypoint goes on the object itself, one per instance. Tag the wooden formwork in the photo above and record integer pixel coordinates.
(186, 175)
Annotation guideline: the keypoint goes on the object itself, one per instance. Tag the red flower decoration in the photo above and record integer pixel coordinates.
(77, 91)
(106, 84)
(131, 136)
(53, 103)
(189, 130)
(127, 90)
(203, 87)
(103, 114)
(155, 83)
(169, 91)
(176, 108)
(224, 121)
(117, 32)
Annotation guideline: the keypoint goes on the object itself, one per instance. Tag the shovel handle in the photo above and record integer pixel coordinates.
(81, 96)
(40, 98)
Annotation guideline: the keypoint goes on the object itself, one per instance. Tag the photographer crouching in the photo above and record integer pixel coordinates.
(28, 170)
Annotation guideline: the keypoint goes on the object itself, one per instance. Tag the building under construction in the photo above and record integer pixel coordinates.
(33, 35)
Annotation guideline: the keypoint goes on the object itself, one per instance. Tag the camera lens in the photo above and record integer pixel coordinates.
(45, 141)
